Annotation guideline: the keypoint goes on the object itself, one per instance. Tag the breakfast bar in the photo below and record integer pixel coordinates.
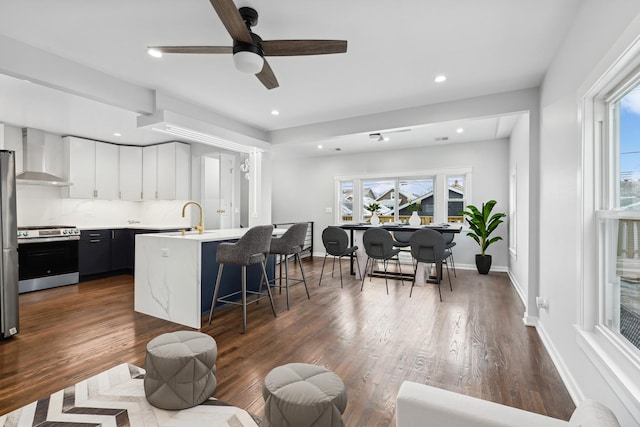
(175, 273)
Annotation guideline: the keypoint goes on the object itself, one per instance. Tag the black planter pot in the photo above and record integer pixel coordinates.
(483, 263)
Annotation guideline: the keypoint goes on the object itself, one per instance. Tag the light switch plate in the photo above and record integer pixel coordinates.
(328, 210)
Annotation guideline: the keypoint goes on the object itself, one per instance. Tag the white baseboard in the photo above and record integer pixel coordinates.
(569, 382)
(518, 288)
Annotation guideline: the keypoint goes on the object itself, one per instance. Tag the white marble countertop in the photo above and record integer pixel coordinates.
(208, 235)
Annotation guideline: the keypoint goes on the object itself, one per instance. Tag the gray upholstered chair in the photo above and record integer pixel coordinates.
(336, 243)
(252, 248)
(379, 245)
(402, 239)
(448, 245)
(427, 246)
(290, 243)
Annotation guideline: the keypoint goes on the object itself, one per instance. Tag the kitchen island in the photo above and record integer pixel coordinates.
(175, 274)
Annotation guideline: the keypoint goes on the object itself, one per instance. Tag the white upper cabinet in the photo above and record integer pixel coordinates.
(91, 167)
(106, 171)
(166, 172)
(130, 175)
(150, 173)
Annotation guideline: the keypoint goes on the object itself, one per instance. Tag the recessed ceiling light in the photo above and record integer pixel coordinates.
(319, 146)
(117, 134)
(155, 53)
(440, 78)
(459, 130)
(275, 112)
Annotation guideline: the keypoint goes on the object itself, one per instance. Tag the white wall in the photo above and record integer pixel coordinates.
(597, 27)
(519, 164)
(303, 188)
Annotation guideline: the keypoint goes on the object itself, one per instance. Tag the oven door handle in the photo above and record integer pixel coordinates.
(48, 239)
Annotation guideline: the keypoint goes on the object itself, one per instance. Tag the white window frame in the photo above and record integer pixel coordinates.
(440, 188)
(446, 193)
(609, 353)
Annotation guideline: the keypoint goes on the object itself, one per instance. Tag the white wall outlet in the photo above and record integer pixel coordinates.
(328, 210)
(542, 303)
(164, 252)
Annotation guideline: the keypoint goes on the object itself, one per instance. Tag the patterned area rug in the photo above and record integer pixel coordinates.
(116, 398)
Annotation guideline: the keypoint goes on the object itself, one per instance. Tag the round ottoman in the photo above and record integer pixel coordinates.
(300, 395)
(181, 369)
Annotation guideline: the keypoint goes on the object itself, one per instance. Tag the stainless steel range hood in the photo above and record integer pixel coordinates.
(33, 159)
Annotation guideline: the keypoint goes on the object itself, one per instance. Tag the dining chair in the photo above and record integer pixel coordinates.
(449, 244)
(336, 244)
(379, 246)
(428, 247)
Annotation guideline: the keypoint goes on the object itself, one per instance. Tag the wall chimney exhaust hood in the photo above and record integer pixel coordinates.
(33, 159)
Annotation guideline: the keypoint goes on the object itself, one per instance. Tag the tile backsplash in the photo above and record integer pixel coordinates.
(43, 205)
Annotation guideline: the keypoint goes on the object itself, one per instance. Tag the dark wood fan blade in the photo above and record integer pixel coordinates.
(303, 47)
(231, 19)
(193, 49)
(267, 77)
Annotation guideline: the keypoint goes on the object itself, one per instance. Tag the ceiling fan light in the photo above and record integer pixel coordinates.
(248, 62)
(156, 53)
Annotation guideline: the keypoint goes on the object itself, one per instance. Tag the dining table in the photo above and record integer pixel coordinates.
(362, 226)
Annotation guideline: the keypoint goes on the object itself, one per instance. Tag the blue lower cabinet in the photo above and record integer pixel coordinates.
(231, 276)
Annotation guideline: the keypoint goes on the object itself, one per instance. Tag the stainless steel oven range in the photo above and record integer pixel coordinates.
(47, 257)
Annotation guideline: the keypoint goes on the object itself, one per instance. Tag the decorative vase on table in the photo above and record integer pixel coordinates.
(414, 219)
(374, 219)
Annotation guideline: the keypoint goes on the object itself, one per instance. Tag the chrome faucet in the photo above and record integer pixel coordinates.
(200, 226)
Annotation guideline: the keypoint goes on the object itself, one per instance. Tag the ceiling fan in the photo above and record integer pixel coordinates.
(249, 49)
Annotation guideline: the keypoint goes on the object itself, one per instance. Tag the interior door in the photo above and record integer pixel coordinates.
(211, 192)
(227, 164)
(217, 191)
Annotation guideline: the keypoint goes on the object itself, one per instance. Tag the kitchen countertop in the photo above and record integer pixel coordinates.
(209, 235)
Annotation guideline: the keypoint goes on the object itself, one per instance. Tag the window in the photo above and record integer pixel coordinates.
(620, 223)
(437, 197)
(346, 201)
(455, 198)
(609, 223)
(381, 192)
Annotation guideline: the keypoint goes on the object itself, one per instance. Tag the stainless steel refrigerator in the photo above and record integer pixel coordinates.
(9, 245)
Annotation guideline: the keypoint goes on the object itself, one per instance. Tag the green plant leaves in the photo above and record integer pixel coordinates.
(482, 223)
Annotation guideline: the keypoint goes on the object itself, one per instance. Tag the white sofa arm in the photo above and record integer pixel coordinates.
(420, 405)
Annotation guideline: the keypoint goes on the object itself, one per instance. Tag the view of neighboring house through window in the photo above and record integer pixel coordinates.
(434, 195)
(455, 202)
(620, 246)
(416, 194)
(382, 192)
(346, 200)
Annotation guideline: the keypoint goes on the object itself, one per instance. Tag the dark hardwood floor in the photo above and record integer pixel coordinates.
(474, 342)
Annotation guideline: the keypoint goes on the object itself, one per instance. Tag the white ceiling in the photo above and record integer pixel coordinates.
(395, 49)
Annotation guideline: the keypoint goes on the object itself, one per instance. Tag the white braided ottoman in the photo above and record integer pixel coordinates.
(181, 369)
(302, 395)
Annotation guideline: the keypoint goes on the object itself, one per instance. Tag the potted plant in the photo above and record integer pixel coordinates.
(482, 224)
(373, 208)
(414, 208)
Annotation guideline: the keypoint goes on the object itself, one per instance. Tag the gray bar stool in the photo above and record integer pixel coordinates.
(290, 243)
(252, 248)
